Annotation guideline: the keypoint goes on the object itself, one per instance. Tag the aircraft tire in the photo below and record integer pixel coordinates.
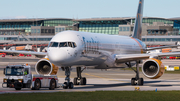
(71, 85)
(65, 85)
(83, 81)
(140, 81)
(133, 81)
(75, 81)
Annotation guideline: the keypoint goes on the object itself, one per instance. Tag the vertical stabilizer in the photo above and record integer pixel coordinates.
(138, 22)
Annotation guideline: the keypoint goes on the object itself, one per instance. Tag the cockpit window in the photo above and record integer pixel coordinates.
(69, 44)
(74, 44)
(63, 44)
(53, 44)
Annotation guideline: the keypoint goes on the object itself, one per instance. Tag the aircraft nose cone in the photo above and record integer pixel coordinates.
(57, 56)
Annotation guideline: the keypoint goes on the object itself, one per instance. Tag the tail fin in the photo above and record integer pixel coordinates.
(138, 22)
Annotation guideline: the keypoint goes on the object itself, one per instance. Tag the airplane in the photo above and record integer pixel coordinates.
(82, 49)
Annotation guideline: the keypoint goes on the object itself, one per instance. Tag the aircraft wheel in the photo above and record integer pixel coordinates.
(65, 85)
(140, 81)
(83, 81)
(133, 81)
(75, 81)
(71, 86)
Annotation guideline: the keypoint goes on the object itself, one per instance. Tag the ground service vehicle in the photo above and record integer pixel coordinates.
(20, 76)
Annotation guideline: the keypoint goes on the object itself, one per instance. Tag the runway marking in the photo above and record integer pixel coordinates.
(105, 78)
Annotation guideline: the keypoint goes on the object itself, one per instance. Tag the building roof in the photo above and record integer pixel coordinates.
(178, 18)
(31, 20)
(115, 18)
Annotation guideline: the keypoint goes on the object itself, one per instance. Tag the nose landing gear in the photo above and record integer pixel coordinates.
(68, 84)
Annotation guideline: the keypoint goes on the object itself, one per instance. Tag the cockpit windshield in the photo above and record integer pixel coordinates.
(53, 44)
(62, 44)
(14, 71)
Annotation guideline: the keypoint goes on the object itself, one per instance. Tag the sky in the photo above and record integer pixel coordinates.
(79, 9)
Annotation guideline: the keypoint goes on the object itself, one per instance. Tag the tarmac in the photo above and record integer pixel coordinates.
(98, 80)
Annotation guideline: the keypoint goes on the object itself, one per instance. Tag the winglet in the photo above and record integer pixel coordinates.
(138, 22)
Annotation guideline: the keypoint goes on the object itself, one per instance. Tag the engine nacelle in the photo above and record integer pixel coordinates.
(45, 67)
(153, 68)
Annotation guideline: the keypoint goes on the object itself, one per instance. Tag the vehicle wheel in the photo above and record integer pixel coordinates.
(37, 84)
(83, 81)
(75, 81)
(140, 81)
(52, 84)
(65, 85)
(133, 81)
(71, 86)
(18, 88)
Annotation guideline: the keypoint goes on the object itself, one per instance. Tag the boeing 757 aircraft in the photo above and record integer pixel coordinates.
(82, 49)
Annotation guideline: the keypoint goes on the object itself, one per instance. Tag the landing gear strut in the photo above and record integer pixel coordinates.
(68, 84)
(79, 79)
(136, 80)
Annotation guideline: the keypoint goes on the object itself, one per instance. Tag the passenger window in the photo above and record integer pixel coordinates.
(69, 44)
(63, 44)
(55, 44)
(74, 44)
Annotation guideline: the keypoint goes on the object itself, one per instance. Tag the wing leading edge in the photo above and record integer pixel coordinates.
(134, 57)
(24, 52)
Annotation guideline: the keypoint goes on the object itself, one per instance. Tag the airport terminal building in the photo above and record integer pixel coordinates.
(155, 30)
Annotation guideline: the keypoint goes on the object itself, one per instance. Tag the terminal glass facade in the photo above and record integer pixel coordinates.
(112, 26)
(58, 22)
(151, 20)
(19, 25)
(26, 25)
(177, 25)
(106, 27)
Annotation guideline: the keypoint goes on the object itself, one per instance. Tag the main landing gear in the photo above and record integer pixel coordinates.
(136, 80)
(79, 79)
(68, 84)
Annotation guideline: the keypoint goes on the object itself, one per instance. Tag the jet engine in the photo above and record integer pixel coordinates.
(153, 68)
(45, 67)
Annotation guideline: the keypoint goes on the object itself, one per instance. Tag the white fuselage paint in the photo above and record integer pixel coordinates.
(92, 48)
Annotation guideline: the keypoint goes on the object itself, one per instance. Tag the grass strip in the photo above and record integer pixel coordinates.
(95, 96)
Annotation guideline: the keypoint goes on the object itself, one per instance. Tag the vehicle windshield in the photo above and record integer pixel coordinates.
(14, 71)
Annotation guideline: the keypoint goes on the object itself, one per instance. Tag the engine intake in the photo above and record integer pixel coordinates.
(45, 67)
(153, 68)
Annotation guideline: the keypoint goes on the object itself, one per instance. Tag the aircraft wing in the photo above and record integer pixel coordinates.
(24, 52)
(133, 57)
(162, 47)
